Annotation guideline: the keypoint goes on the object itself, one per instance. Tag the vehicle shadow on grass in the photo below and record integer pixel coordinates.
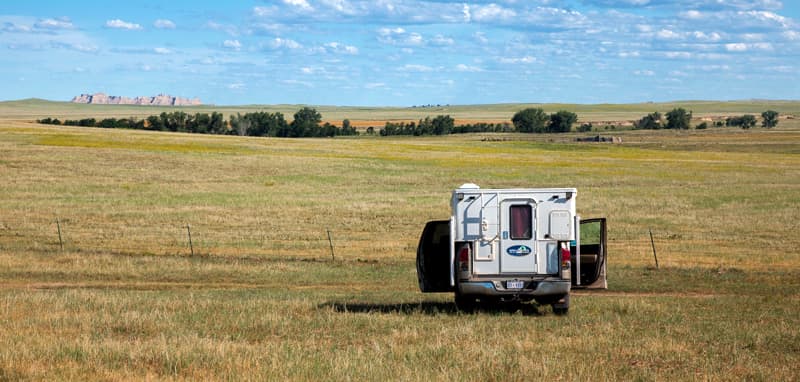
(431, 308)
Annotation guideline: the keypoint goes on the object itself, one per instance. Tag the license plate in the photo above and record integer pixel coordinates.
(516, 284)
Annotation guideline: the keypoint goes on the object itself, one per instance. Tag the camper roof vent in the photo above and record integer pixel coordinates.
(469, 186)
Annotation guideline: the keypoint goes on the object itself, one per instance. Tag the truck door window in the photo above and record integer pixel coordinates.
(521, 224)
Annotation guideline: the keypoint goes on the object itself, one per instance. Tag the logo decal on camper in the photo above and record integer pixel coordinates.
(519, 250)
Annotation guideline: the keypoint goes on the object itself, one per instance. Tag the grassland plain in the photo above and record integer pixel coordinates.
(261, 297)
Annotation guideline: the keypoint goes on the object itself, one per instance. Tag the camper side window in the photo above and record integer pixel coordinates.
(521, 224)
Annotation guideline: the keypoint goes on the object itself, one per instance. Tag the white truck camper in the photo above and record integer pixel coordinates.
(512, 245)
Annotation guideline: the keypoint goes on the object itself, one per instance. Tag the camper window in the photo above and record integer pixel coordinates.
(521, 223)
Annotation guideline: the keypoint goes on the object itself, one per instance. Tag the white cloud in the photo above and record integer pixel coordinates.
(302, 4)
(792, 35)
(667, 34)
(54, 24)
(468, 68)
(766, 17)
(492, 12)
(119, 24)
(399, 36)
(414, 39)
(744, 47)
(391, 31)
(236, 86)
(341, 6)
(702, 36)
(677, 55)
(465, 11)
(232, 44)
(647, 73)
(164, 24)
(339, 48)
(631, 54)
(693, 15)
(782, 69)
(278, 43)
(442, 40)
(481, 37)
(374, 85)
(415, 68)
(517, 60)
(161, 50)
(298, 82)
(229, 29)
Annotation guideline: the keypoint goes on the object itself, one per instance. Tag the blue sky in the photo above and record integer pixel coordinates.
(403, 52)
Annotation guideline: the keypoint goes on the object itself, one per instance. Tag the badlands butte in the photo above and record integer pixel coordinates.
(159, 100)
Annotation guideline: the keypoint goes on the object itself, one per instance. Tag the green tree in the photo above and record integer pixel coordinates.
(442, 124)
(217, 124)
(530, 120)
(347, 128)
(561, 121)
(306, 123)
(679, 119)
(651, 121)
(748, 121)
(770, 119)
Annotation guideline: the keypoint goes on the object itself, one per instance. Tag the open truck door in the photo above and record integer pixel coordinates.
(589, 255)
(433, 257)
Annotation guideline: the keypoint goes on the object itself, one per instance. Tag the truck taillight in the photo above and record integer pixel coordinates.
(565, 257)
(463, 258)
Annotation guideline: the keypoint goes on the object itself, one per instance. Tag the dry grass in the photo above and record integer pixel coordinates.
(261, 298)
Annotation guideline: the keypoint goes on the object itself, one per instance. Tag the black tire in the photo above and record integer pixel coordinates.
(561, 309)
(465, 304)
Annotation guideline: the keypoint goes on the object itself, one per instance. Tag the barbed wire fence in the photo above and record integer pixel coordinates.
(182, 238)
(222, 239)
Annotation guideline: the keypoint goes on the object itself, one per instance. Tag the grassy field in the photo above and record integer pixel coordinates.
(258, 295)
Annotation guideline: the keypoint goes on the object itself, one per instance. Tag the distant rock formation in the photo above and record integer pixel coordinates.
(159, 100)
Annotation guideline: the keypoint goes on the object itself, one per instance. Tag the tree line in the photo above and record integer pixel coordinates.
(307, 122)
(680, 119)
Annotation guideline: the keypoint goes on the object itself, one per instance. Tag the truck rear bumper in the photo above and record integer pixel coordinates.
(497, 288)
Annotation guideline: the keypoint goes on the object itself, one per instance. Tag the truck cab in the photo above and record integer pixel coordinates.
(512, 245)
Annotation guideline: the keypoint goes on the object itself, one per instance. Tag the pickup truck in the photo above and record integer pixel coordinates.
(512, 245)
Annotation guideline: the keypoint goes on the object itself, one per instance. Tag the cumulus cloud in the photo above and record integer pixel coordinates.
(301, 4)
(340, 48)
(517, 60)
(744, 47)
(467, 68)
(232, 44)
(54, 24)
(164, 24)
(492, 12)
(399, 36)
(161, 50)
(375, 85)
(666, 34)
(442, 40)
(278, 43)
(711, 37)
(415, 68)
(119, 24)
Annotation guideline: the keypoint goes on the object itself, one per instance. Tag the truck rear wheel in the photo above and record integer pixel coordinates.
(464, 303)
(561, 308)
